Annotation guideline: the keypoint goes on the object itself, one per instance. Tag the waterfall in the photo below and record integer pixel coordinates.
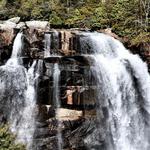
(123, 95)
(17, 50)
(56, 76)
(56, 101)
(13, 82)
(47, 44)
(17, 46)
(26, 127)
(20, 86)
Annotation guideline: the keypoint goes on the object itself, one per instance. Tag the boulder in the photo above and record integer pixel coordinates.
(7, 25)
(109, 32)
(38, 24)
(66, 114)
(15, 20)
(21, 25)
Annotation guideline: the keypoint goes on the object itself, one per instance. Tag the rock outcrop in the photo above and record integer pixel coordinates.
(77, 84)
(77, 87)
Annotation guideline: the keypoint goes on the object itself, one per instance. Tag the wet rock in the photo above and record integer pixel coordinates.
(3, 118)
(5, 53)
(51, 112)
(41, 124)
(42, 113)
(49, 143)
(36, 53)
(44, 132)
(77, 136)
(6, 38)
(54, 59)
(21, 25)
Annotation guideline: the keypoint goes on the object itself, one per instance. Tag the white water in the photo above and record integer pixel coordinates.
(17, 50)
(17, 46)
(56, 100)
(25, 131)
(15, 82)
(20, 84)
(123, 90)
(47, 44)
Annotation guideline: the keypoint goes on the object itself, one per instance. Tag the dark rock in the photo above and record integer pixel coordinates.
(51, 112)
(41, 124)
(3, 118)
(44, 132)
(42, 113)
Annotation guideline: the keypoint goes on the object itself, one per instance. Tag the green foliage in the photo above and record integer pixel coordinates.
(55, 19)
(142, 37)
(3, 3)
(128, 18)
(7, 140)
(126, 21)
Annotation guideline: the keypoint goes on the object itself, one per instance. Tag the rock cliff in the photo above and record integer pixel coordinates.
(77, 84)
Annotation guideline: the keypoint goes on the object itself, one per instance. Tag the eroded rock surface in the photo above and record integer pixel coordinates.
(77, 85)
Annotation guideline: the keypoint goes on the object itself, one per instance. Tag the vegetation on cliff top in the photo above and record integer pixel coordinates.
(127, 18)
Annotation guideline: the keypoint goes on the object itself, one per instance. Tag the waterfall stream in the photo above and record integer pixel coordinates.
(123, 95)
(17, 46)
(26, 127)
(56, 100)
(47, 44)
(23, 96)
(17, 50)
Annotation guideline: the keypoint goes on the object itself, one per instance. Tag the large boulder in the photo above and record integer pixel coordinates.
(21, 25)
(38, 24)
(7, 25)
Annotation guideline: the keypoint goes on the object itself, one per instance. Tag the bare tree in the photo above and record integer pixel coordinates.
(145, 4)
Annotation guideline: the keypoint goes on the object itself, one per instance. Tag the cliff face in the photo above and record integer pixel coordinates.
(64, 49)
(77, 84)
(63, 42)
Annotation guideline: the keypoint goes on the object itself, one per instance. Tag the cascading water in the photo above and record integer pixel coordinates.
(17, 50)
(19, 84)
(13, 82)
(56, 100)
(26, 127)
(123, 95)
(56, 76)
(47, 44)
(18, 46)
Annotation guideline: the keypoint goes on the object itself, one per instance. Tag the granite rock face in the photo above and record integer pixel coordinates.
(77, 84)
